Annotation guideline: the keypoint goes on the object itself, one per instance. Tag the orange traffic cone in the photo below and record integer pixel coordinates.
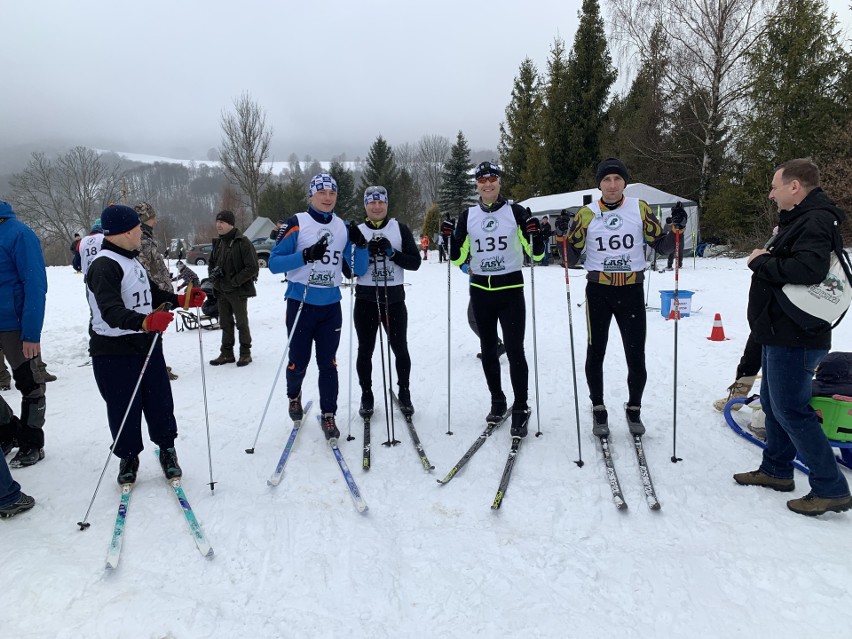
(718, 333)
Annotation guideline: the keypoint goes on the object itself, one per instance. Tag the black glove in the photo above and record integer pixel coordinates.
(532, 227)
(562, 224)
(356, 236)
(316, 252)
(447, 228)
(679, 217)
(379, 246)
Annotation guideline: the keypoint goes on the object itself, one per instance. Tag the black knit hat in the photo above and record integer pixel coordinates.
(487, 168)
(117, 219)
(227, 217)
(608, 167)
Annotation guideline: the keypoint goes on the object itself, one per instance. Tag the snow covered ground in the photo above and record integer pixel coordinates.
(558, 560)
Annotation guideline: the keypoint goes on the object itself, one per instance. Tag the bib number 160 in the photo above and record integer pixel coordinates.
(616, 242)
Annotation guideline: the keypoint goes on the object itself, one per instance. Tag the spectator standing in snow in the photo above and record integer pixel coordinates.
(150, 257)
(125, 312)
(494, 234)
(233, 270)
(12, 500)
(315, 252)
(23, 289)
(546, 232)
(75, 253)
(393, 251)
(613, 232)
(800, 253)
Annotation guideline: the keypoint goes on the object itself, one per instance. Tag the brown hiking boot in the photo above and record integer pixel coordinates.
(244, 360)
(223, 359)
(759, 478)
(738, 390)
(811, 505)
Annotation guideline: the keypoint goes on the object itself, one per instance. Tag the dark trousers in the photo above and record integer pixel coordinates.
(233, 310)
(320, 324)
(29, 380)
(627, 305)
(750, 361)
(509, 309)
(394, 318)
(116, 377)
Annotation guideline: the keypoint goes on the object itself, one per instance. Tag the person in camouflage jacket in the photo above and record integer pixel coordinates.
(150, 256)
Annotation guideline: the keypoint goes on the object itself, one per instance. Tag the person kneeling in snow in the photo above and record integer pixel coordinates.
(125, 309)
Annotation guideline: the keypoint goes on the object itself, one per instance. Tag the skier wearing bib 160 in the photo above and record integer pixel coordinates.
(494, 234)
(392, 252)
(613, 231)
(315, 251)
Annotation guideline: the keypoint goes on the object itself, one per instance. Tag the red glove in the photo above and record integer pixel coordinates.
(158, 321)
(196, 299)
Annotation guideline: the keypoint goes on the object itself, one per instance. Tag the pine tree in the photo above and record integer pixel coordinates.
(349, 203)
(588, 79)
(432, 222)
(272, 203)
(295, 194)
(381, 168)
(519, 135)
(457, 190)
(554, 133)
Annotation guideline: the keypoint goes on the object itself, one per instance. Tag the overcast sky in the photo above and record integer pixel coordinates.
(154, 76)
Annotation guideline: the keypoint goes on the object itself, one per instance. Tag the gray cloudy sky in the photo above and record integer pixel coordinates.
(154, 76)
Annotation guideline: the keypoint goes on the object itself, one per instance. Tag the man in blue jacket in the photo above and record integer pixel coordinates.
(23, 288)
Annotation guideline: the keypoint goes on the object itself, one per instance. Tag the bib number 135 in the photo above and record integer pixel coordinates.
(491, 243)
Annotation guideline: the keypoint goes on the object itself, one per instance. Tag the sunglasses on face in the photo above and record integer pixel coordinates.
(487, 179)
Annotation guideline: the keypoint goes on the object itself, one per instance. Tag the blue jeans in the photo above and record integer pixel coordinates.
(10, 490)
(792, 425)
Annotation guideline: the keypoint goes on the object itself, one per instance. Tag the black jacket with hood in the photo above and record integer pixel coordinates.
(799, 254)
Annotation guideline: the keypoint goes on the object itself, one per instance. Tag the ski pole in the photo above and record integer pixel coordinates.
(349, 436)
(85, 524)
(393, 440)
(187, 296)
(579, 461)
(449, 345)
(648, 290)
(384, 375)
(250, 451)
(535, 342)
(676, 302)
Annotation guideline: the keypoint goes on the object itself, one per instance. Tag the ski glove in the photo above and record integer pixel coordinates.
(196, 299)
(447, 228)
(356, 236)
(679, 217)
(379, 245)
(157, 322)
(532, 227)
(563, 224)
(316, 252)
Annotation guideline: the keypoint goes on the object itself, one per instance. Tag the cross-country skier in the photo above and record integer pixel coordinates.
(495, 235)
(314, 252)
(124, 305)
(393, 250)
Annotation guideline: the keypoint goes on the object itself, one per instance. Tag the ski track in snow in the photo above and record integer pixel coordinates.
(297, 560)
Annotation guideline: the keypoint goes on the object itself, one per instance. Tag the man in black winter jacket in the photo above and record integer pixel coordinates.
(233, 269)
(799, 254)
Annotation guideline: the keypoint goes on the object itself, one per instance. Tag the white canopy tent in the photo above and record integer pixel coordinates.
(660, 201)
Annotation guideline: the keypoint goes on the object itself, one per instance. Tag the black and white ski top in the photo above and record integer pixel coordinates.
(120, 295)
(406, 257)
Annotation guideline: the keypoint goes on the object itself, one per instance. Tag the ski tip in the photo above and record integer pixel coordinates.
(209, 554)
(622, 505)
(655, 506)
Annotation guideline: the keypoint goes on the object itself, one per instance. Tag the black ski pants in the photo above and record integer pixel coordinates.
(627, 305)
(394, 318)
(508, 307)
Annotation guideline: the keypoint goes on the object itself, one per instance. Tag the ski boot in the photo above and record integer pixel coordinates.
(329, 427)
(405, 405)
(600, 423)
(296, 412)
(169, 462)
(520, 421)
(634, 420)
(498, 409)
(367, 402)
(127, 469)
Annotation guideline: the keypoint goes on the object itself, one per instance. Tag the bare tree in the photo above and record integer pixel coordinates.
(708, 43)
(60, 197)
(432, 153)
(245, 147)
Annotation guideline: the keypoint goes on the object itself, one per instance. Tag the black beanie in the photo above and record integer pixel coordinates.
(609, 166)
(117, 219)
(227, 217)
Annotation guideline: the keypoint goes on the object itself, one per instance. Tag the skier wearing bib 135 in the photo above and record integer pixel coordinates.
(613, 232)
(495, 234)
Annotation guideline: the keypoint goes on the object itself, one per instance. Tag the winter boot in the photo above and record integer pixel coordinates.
(127, 469)
(169, 462)
(296, 412)
(244, 360)
(812, 505)
(49, 377)
(22, 504)
(367, 401)
(405, 405)
(223, 359)
(600, 421)
(27, 457)
(9, 435)
(760, 478)
(738, 390)
(498, 410)
(634, 420)
(329, 427)
(520, 421)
